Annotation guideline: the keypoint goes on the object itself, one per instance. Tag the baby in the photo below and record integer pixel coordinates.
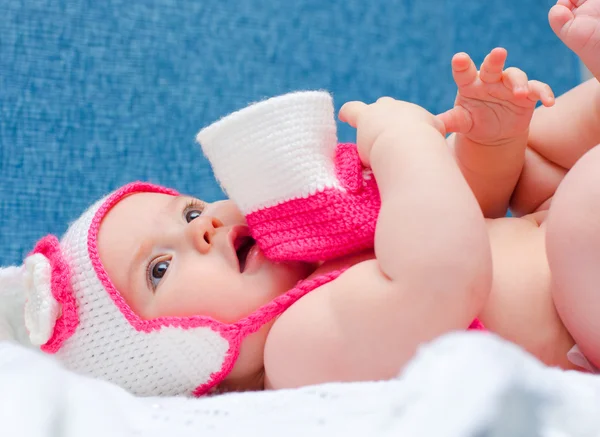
(164, 294)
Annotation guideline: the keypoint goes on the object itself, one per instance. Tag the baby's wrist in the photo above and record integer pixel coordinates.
(494, 142)
(406, 131)
(404, 137)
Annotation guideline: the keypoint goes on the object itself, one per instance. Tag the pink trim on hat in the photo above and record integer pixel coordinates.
(228, 332)
(134, 320)
(60, 285)
(234, 333)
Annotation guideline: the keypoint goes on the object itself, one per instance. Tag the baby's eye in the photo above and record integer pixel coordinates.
(156, 271)
(193, 210)
(192, 214)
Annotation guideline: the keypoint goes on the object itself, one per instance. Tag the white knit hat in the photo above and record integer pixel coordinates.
(74, 311)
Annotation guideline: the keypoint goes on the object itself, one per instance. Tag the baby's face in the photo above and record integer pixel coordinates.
(178, 256)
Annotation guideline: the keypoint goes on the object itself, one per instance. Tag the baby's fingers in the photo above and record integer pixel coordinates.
(541, 91)
(492, 66)
(350, 112)
(464, 70)
(516, 80)
(457, 119)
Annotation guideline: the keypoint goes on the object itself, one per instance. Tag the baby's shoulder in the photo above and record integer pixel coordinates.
(305, 342)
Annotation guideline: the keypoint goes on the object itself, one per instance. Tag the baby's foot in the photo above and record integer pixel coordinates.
(493, 105)
(577, 24)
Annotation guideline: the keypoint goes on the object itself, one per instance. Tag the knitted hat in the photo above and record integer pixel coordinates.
(74, 311)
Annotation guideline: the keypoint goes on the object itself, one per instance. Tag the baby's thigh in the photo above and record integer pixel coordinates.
(573, 250)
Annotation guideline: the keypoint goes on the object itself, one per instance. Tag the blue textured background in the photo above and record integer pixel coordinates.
(94, 94)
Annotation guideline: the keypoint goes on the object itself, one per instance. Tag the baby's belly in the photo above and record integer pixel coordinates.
(520, 306)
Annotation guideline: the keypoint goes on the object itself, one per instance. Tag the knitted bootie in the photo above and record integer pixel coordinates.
(305, 197)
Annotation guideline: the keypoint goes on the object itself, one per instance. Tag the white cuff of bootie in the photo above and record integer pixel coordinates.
(275, 150)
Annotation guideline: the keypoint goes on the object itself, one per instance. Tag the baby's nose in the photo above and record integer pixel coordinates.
(203, 230)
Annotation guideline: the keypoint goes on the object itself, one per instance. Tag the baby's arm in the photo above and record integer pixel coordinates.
(491, 118)
(558, 137)
(432, 270)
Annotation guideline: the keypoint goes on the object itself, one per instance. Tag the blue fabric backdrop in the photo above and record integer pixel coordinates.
(94, 94)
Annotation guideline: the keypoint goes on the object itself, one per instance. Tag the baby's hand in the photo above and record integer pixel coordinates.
(386, 114)
(493, 105)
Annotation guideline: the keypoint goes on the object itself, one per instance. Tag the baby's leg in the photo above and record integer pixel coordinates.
(577, 24)
(573, 249)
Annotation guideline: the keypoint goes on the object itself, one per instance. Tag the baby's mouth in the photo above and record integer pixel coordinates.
(242, 245)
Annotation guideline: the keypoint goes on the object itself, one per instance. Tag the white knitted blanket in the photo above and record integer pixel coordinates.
(464, 384)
